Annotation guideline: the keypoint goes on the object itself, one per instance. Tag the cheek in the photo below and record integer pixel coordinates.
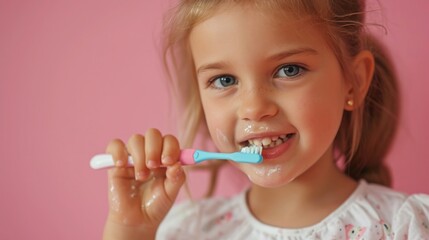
(220, 138)
(221, 127)
(318, 117)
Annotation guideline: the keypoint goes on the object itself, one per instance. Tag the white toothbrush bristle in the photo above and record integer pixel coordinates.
(252, 149)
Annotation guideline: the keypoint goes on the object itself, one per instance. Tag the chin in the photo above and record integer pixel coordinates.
(269, 177)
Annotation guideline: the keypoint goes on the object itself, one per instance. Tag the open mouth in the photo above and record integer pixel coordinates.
(268, 142)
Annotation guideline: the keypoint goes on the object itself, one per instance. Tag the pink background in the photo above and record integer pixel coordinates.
(75, 74)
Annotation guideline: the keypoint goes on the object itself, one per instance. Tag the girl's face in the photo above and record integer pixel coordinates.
(271, 81)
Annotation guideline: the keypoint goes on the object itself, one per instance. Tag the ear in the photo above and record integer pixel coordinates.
(363, 69)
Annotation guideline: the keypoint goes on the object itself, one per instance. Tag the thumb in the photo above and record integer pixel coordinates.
(175, 177)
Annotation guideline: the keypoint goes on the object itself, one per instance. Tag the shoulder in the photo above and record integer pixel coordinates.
(382, 198)
(412, 218)
(388, 200)
(399, 214)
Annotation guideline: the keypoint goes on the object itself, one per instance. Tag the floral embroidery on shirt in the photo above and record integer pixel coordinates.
(386, 229)
(424, 219)
(217, 221)
(382, 215)
(354, 233)
(225, 218)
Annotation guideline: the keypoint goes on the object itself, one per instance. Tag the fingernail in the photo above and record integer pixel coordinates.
(177, 174)
(120, 163)
(151, 164)
(167, 160)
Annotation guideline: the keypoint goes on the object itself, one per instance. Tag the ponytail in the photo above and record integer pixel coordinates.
(374, 122)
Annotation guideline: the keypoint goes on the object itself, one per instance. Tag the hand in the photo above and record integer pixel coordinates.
(141, 196)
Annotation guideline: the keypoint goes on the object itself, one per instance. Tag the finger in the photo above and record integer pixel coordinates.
(119, 174)
(153, 148)
(170, 150)
(175, 177)
(118, 151)
(136, 147)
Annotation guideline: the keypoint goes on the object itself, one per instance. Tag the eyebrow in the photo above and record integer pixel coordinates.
(211, 66)
(277, 56)
(297, 51)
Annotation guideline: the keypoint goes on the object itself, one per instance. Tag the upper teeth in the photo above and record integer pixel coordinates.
(269, 141)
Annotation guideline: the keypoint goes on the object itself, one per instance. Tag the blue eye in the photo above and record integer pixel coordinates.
(223, 81)
(289, 71)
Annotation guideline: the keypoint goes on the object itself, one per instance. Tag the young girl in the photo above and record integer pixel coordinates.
(304, 80)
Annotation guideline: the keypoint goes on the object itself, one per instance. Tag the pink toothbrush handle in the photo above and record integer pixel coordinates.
(187, 156)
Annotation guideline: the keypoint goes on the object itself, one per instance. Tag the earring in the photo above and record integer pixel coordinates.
(350, 103)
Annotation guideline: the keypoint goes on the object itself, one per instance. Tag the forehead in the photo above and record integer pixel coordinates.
(253, 29)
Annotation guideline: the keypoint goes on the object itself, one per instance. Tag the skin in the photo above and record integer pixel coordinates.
(296, 187)
(303, 180)
(140, 197)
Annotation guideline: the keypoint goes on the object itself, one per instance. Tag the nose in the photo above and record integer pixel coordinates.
(257, 104)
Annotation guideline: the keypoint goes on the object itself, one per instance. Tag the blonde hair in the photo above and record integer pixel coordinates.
(365, 134)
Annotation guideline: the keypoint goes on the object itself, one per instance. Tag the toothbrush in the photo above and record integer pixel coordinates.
(251, 154)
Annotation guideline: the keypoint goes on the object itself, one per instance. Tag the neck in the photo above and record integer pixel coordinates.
(306, 200)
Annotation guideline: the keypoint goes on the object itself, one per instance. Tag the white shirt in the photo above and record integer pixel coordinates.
(371, 212)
